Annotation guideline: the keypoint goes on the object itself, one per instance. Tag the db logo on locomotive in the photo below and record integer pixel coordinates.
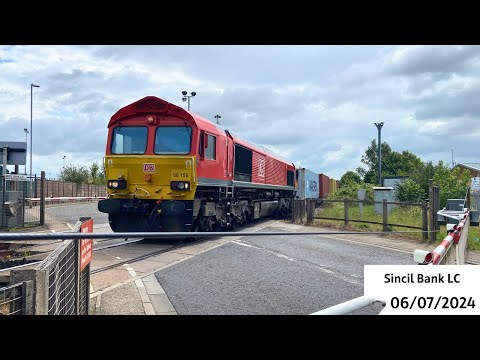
(148, 167)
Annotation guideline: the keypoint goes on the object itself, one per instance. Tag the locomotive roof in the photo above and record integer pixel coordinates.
(151, 105)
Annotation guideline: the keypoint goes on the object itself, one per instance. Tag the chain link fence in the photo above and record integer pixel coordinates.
(11, 299)
(57, 286)
(60, 270)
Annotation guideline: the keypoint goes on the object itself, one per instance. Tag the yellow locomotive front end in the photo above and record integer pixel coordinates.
(150, 168)
(150, 193)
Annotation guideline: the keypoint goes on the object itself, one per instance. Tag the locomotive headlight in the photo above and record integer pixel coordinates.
(179, 185)
(117, 184)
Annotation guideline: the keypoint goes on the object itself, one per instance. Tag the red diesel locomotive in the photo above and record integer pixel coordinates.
(169, 169)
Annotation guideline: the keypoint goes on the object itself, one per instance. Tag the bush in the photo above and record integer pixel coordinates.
(409, 191)
(350, 191)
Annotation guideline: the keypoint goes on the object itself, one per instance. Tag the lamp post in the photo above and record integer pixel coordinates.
(26, 133)
(64, 156)
(187, 97)
(218, 117)
(379, 127)
(31, 134)
(452, 159)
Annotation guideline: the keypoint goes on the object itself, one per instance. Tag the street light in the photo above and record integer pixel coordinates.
(64, 156)
(218, 117)
(31, 134)
(452, 159)
(379, 127)
(26, 133)
(187, 97)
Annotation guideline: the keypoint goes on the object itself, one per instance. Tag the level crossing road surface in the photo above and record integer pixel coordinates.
(276, 275)
(267, 275)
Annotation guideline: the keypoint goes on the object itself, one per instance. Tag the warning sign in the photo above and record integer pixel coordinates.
(86, 245)
(475, 185)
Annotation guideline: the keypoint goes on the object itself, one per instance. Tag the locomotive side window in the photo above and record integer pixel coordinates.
(173, 139)
(210, 151)
(290, 181)
(200, 143)
(243, 164)
(129, 140)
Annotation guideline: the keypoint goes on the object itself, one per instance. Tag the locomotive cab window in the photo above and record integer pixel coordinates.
(210, 151)
(129, 140)
(173, 139)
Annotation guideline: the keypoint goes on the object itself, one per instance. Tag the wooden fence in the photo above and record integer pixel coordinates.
(302, 208)
(58, 188)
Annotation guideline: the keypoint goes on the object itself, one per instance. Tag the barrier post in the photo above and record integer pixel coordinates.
(84, 249)
(432, 234)
(385, 215)
(424, 220)
(42, 198)
(345, 205)
(310, 211)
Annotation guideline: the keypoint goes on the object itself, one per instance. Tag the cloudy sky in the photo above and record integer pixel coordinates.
(314, 105)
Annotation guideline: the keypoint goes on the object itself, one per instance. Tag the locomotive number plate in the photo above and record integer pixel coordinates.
(180, 174)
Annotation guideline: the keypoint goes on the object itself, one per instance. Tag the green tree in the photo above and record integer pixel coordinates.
(350, 191)
(453, 184)
(400, 164)
(409, 191)
(97, 175)
(393, 163)
(423, 174)
(370, 159)
(350, 177)
(73, 173)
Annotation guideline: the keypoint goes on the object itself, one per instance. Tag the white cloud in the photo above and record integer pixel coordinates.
(314, 105)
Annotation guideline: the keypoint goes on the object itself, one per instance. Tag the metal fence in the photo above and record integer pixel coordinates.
(68, 209)
(24, 202)
(59, 188)
(66, 289)
(12, 195)
(11, 299)
(60, 271)
(84, 291)
(56, 286)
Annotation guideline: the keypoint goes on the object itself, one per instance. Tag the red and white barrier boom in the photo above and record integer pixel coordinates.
(454, 232)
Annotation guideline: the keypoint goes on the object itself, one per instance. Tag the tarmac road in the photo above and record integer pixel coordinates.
(275, 275)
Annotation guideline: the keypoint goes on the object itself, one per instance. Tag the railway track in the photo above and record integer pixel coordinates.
(144, 256)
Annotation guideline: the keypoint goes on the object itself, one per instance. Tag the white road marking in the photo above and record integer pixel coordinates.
(116, 257)
(317, 266)
(285, 257)
(243, 244)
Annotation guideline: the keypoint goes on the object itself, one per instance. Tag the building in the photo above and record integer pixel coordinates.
(474, 168)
